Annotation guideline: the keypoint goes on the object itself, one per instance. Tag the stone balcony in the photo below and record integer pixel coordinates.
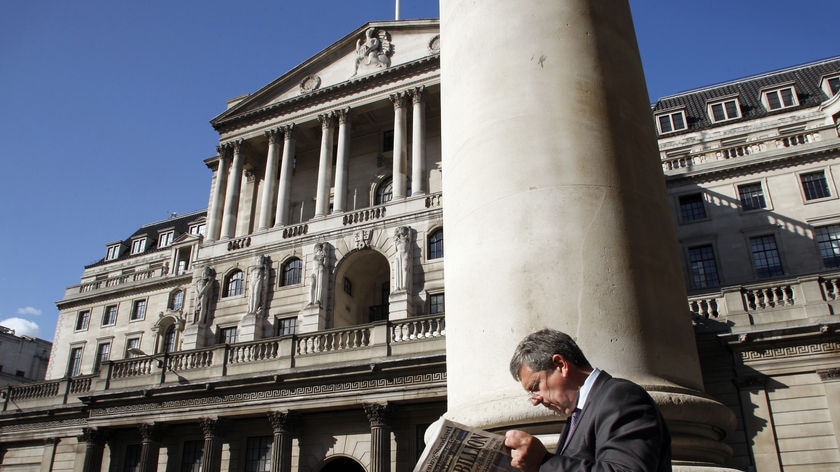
(228, 364)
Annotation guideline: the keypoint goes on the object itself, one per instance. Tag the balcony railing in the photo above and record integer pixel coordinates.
(226, 362)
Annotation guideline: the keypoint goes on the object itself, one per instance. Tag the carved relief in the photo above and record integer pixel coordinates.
(402, 241)
(318, 275)
(434, 45)
(258, 285)
(374, 51)
(205, 296)
(362, 238)
(309, 84)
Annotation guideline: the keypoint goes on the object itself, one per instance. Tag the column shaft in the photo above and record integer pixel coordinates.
(150, 448)
(399, 177)
(281, 446)
(285, 190)
(269, 180)
(322, 202)
(211, 458)
(341, 170)
(232, 194)
(217, 202)
(418, 142)
(380, 437)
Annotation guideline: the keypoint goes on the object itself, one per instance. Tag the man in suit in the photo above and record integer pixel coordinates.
(613, 425)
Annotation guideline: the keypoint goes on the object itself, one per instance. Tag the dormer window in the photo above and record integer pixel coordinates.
(165, 238)
(113, 252)
(670, 122)
(198, 229)
(138, 246)
(830, 84)
(724, 110)
(779, 98)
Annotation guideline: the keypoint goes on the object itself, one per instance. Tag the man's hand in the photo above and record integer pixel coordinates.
(527, 452)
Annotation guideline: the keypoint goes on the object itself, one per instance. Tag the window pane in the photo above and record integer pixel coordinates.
(103, 354)
(752, 196)
(814, 185)
(692, 208)
(436, 245)
(679, 122)
(384, 192)
(731, 109)
(235, 284)
(834, 84)
(286, 326)
(291, 272)
(766, 257)
(702, 267)
(82, 320)
(828, 242)
(258, 454)
(138, 311)
(436, 304)
(773, 100)
(665, 123)
(75, 366)
(717, 112)
(191, 458)
(787, 97)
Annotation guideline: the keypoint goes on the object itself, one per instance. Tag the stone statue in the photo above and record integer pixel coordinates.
(402, 239)
(257, 281)
(376, 49)
(316, 279)
(204, 290)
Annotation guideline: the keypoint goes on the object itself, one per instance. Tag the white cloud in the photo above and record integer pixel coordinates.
(22, 327)
(28, 310)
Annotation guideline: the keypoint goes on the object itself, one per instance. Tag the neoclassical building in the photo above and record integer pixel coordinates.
(298, 324)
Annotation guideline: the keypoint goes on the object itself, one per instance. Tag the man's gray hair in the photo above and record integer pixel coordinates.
(537, 349)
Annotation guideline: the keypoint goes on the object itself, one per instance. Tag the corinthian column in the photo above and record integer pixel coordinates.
(150, 447)
(217, 201)
(232, 194)
(340, 201)
(285, 191)
(270, 179)
(281, 446)
(94, 446)
(322, 196)
(211, 459)
(400, 150)
(585, 244)
(418, 142)
(380, 437)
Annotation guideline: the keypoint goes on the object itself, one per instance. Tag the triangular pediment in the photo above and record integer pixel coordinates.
(374, 48)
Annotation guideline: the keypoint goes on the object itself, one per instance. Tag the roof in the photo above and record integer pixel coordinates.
(806, 79)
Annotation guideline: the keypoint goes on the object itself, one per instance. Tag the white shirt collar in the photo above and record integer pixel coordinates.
(586, 387)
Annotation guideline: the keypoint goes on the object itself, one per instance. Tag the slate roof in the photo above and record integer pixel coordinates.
(180, 224)
(806, 79)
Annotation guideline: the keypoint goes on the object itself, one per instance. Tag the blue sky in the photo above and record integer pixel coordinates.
(106, 104)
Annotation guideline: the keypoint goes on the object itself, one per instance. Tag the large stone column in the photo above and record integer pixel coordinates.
(398, 182)
(281, 445)
(322, 196)
(232, 194)
(286, 168)
(150, 447)
(341, 167)
(211, 459)
(418, 142)
(94, 441)
(380, 436)
(270, 179)
(217, 202)
(555, 195)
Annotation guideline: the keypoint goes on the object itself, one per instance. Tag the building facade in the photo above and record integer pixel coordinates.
(24, 358)
(299, 323)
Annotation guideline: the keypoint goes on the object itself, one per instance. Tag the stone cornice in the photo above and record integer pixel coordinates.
(227, 122)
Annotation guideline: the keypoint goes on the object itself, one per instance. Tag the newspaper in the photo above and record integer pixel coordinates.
(453, 447)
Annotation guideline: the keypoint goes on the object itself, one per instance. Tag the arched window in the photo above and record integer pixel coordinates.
(384, 192)
(176, 300)
(436, 244)
(291, 272)
(169, 339)
(234, 283)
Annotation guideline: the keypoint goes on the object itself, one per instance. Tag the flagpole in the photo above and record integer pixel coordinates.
(397, 14)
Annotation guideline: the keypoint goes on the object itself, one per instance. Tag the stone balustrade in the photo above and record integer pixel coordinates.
(364, 343)
(767, 297)
(361, 216)
(122, 279)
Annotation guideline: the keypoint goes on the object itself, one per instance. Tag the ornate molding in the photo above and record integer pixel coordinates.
(378, 414)
(309, 84)
(756, 353)
(282, 422)
(829, 374)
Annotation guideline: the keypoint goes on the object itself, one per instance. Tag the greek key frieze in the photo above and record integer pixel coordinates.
(791, 351)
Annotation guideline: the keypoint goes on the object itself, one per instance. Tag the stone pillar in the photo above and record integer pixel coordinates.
(574, 235)
(400, 150)
(757, 421)
(150, 448)
(94, 447)
(286, 169)
(380, 437)
(418, 142)
(322, 196)
(217, 203)
(211, 458)
(232, 194)
(281, 446)
(341, 173)
(269, 180)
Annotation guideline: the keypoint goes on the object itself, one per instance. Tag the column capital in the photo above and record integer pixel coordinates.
(282, 422)
(343, 115)
(210, 427)
(273, 135)
(327, 119)
(417, 94)
(288, 131)
(92, 435)
(149, 432)
(223, 149)
(378, 413)
(398, 99)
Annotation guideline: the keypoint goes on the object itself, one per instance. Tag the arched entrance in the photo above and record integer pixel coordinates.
(362, 286)
(342, 464)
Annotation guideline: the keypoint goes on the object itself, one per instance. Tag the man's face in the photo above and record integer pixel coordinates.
(551, 388)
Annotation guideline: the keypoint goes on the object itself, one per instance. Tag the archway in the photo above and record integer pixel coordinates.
(362, 285)
(342, 464)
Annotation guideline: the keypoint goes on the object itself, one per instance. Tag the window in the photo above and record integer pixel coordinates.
(831, 85)
(110, 315)
(828, 242)
(384, 192)
(814, 185)
(702, 269)
(199, 229)
(388, 141)
(752, 196)
(227, 335)
(113, 252)
(132, 457)
(166, 238)
(138, 246)
(436, 304)
(169, 338)
(436, 244)
(138, 310)
(669, 122)
(765, 256)
(234, 283)
(692, 208)
(291, 272)
(176, 300)
(724, 110)
(258, 454)
(74, 368)
(82, 320)
(131, 343)
(285, 326)
(780, 98)
(103, 353)
(191, 457)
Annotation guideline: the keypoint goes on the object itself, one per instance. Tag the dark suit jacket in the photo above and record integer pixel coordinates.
(620, 429)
